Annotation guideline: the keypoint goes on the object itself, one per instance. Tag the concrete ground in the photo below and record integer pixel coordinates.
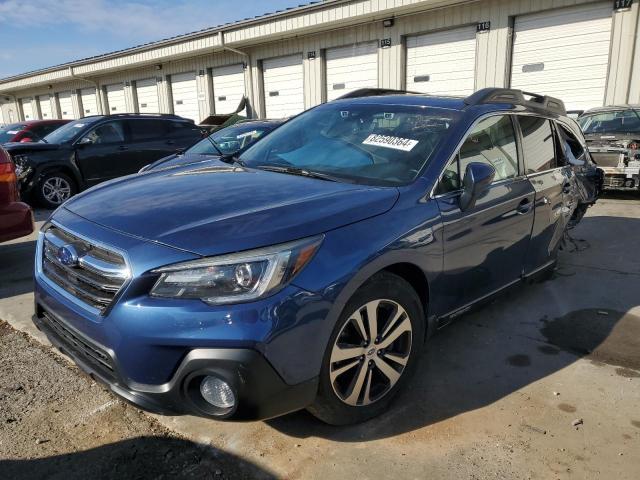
(544, 383)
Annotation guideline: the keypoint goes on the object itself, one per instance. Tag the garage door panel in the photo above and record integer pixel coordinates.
(228, 88)
(283, 86)
(442, 62)
(184, 90)
(564, 53)
(44, 101)
(27, 109)
(116, 98)
(66, 105)
(89, 101)
(147, 93)
(350, 68)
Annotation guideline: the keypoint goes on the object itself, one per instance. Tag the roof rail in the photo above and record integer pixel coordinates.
(516, 97)
(372, 92)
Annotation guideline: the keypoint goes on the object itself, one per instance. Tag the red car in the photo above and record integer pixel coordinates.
(16, 218)
(29, 131)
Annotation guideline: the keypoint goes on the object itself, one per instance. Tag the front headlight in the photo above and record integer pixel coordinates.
(238, 277)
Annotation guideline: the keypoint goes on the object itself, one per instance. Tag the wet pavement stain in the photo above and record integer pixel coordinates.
(519, 360)
(602, 335)
(627, 373)
(548, 350)
(565, 407)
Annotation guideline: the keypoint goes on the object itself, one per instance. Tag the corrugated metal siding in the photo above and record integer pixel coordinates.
(335, 24)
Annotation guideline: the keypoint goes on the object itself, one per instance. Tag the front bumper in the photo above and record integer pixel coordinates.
(260, 391)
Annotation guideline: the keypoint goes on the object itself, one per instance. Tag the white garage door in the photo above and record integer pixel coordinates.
(44, 102)
(66, 105)
(283, 86)
(147, 93)
(27, 109)
(184, 90)
(228, 88)
(442, 62)
(116, 99)
(89, 102)
(564, 53)
(350, 68)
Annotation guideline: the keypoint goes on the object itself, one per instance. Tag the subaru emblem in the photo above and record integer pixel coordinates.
(67, 255)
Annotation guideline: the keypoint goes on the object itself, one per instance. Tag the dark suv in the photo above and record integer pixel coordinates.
(91, 150)
(310, 270)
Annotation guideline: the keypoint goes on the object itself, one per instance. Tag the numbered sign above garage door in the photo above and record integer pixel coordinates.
(283, 86)
(44, 102)
(228, 88)
(564, 53)
(89, 102)
(27, 109)
(350, 68)
(442, 62)
(147, 93)
(66, 105)
(184, 90)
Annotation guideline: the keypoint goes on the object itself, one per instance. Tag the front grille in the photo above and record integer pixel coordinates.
(79, 346)
(92, 274)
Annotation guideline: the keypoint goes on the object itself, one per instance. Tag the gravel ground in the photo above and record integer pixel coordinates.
(56, 423)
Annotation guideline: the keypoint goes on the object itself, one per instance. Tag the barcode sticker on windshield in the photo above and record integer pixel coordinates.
(397, 143)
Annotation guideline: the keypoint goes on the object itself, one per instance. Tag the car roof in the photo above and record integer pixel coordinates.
(407, 99)
(612, 108)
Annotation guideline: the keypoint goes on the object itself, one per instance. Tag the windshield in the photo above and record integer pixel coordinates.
(616, 121)
(66, 133)
(361, 143)
(230, 140)
(9, 131)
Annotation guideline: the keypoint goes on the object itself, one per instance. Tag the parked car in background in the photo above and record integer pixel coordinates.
(86, 152)
(227, 142)
(613, 137)
(29, 131)
(311, 272)
(16, 218)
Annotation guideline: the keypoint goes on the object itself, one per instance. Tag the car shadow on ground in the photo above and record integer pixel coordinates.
(16, 268)
(526, 335)
(141, 457)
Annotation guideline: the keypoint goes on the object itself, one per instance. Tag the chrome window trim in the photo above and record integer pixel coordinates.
(75, 300)
(433, 195)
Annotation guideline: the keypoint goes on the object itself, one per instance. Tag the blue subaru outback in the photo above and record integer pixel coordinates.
(309, 272)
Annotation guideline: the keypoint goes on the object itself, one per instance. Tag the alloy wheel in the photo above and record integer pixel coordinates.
(56, 190)
(371, 352)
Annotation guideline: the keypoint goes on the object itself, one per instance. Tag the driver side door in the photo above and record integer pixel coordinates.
(102, 151)
(484, 246)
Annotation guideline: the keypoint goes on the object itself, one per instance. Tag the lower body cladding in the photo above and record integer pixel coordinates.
(221, 383)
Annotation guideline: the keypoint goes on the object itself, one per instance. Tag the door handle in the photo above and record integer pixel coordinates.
(171, 142)
(524, 207)
(122, 148)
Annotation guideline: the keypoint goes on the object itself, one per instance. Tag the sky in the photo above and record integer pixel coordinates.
(41, 33)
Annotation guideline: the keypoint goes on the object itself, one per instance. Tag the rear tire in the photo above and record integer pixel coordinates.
(54, 188)
(361, 373)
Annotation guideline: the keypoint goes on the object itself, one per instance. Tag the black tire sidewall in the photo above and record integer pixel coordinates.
(40, 194)
(328, 407)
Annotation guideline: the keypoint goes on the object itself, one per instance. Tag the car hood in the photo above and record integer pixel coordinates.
(221, 208)
(178, 160)
(17, 147)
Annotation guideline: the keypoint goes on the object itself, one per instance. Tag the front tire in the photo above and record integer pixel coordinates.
(372, 351)
(54, 188)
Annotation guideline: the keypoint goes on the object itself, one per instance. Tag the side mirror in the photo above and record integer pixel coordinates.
(85, 141)
(477, 178)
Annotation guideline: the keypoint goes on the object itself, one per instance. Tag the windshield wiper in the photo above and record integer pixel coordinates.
(215, 145)
(299, 171)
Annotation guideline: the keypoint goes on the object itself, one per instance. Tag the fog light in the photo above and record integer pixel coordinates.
(217, 392)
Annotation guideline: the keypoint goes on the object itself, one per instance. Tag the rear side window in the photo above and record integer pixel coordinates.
(145, 130)
(569, 147)
(537, 144)
(184, 130)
